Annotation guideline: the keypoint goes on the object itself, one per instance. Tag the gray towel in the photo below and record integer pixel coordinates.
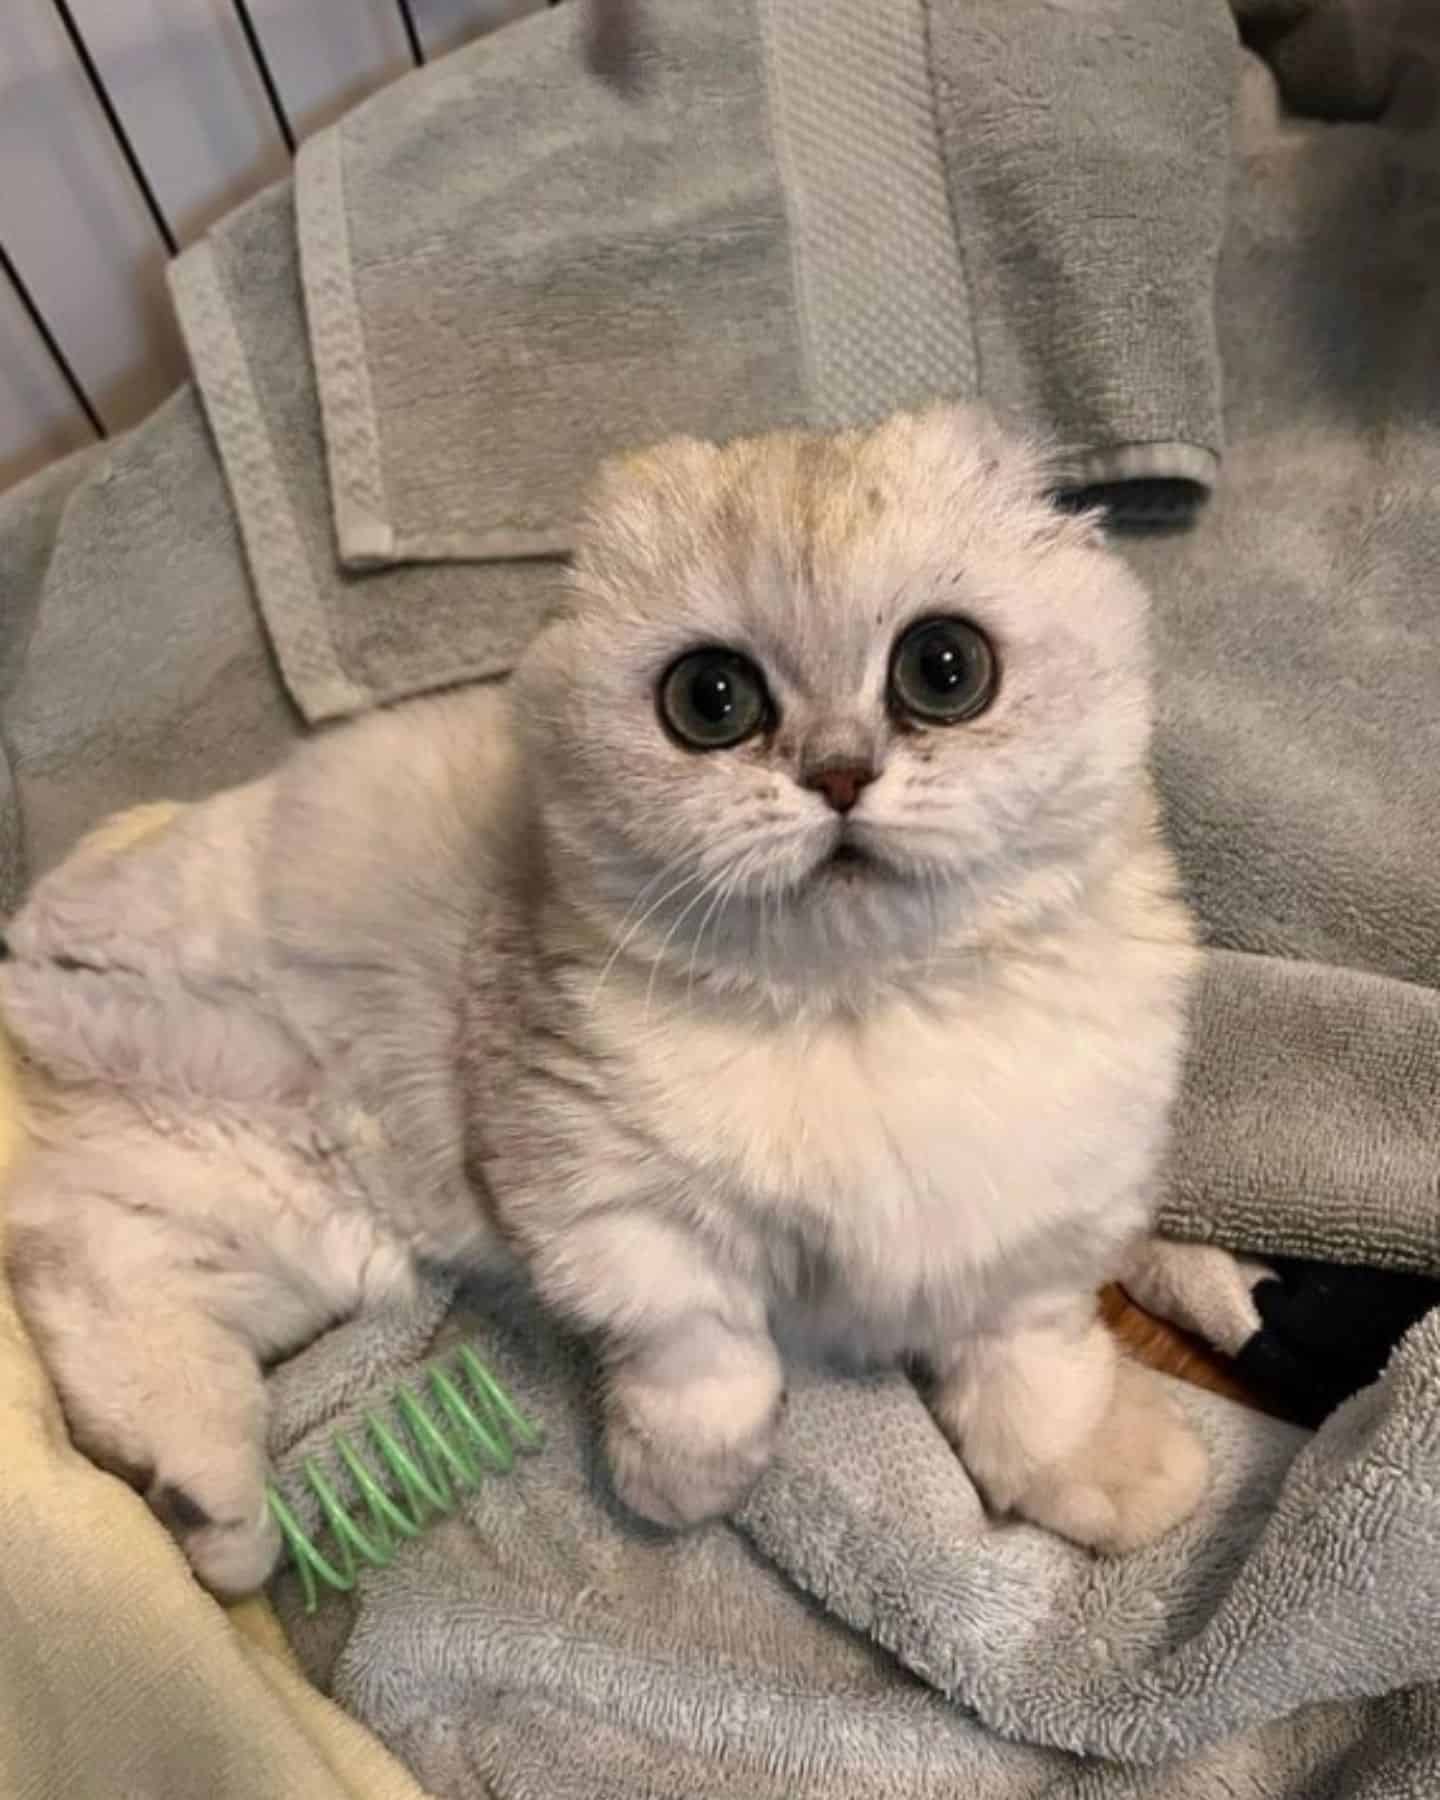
(134, 666)
(343, 641)
(509, 271)
(1300, 731)
(889, 189)
(541, 1643)
(494, 273)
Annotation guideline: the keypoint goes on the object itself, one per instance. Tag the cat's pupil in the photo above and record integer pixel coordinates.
(712, 694)
(943, 666)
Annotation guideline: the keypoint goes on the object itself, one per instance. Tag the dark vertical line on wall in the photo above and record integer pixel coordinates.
(51, 343)
(112, 119)
(412, 36)
(262, 69)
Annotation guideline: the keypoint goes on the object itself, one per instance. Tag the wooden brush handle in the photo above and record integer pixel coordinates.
(1173, 1352)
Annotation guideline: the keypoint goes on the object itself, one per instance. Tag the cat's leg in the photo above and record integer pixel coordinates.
(155, 1279)
(1055, 1425)
(171, 1402)
(690, 1417)
(693, 1382)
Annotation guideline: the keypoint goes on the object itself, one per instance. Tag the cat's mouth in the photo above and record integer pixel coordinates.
(847, 861)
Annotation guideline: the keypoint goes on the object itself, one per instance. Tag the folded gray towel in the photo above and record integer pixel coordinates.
(343, 641)
(1307, 1120)
(134, 665)
(1085, 149)
(509, 272)
(504, 273)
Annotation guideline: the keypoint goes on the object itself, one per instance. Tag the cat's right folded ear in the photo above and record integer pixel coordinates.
(633, 495)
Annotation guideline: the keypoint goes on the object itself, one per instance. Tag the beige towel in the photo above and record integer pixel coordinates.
(119, 1677)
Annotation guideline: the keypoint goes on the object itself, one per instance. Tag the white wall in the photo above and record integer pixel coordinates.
(73, 221)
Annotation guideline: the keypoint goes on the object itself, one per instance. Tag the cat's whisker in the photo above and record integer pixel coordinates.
(727, 894)
(721, 920)
(722, 893)
(931, 890)
(624, 936)
(710, 885)
(765, 935)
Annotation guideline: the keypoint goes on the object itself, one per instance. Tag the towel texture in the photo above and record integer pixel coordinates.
(486, 279)
(1023, 201)
(134, 664)
(485, 326)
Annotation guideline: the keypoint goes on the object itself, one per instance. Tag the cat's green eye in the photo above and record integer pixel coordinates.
(943, 672)
(713, 699)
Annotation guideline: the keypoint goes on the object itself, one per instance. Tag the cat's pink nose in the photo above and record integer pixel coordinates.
(840, 783)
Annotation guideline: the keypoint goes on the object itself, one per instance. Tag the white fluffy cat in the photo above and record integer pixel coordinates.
(788, 961)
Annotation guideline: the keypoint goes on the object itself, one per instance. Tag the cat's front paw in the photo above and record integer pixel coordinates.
(681, 1456)
(1138, 1475)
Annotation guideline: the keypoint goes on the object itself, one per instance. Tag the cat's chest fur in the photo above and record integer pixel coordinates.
(915, 1166)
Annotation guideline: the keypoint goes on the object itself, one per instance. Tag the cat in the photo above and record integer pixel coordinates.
(786, 962)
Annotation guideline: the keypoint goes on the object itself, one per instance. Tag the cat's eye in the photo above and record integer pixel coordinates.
(943, 672)
(712, 699)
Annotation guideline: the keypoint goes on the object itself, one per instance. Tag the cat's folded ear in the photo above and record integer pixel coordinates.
(971, 438)
(965, 443)
(663, 465)
(633, 494)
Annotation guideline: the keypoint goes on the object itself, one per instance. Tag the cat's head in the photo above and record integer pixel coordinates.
(820, 707)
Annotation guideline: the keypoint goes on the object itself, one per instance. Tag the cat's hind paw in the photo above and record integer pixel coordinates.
(1141, 1473)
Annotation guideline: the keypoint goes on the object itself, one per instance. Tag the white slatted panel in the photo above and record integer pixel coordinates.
(326, 56)
(38, 418)
(75, 228)
(183, 82)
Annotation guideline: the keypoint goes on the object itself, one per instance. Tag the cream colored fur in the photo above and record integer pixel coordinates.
(518, 976)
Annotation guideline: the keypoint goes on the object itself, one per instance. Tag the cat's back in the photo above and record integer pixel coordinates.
(364, 849)
(280, 967)
(380, 827)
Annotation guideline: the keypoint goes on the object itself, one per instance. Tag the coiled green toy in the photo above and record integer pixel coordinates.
(469, 1429)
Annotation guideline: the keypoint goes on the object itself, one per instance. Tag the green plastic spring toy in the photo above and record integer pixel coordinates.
(470, 1428)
